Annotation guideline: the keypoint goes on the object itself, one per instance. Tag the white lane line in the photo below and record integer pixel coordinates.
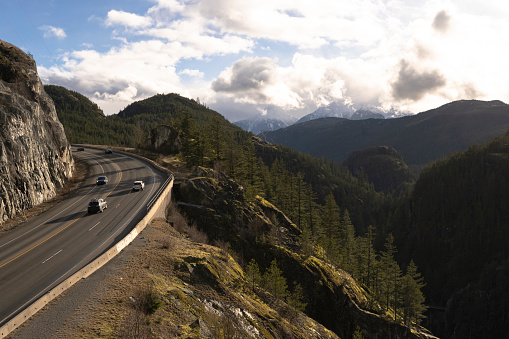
(91, 228)
(44, 222)
(51, 256)
(117, 206)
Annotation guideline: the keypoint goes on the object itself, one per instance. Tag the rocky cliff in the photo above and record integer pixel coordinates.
(35, 156)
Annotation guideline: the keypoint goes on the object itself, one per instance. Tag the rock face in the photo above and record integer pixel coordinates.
(35, 156)
(165, 139)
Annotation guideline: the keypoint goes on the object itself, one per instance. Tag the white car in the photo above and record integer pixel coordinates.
(138, 185)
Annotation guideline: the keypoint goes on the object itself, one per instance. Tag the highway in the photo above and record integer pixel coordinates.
(38, 254)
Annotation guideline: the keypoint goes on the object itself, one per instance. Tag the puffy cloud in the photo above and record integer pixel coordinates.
(192, 73)
(299, 88)
(441, 22)
(245, 75)
(127, 19)
(50, 31)
(301, 23)
(412, 84)
(242, 56)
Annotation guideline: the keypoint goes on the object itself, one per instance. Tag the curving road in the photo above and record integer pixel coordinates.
(39, 254)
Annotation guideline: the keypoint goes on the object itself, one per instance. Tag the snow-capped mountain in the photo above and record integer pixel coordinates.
(352, 112)
(270, 121)
(363, 114)
(335, 109)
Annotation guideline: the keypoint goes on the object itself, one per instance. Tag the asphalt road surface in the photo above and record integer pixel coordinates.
(39, 254)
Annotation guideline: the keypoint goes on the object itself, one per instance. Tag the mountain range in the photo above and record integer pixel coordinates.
(419, 138)
(272, 120)
(466, 191)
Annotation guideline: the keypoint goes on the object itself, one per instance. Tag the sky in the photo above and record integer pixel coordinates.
(243, 58)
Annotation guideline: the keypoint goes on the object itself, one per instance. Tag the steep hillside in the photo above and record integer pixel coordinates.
(168, 108)
(258, 231)
(215, 142)
(420, 138)
(383, 166)
(355, 194)
(35, 157)
(458, 233)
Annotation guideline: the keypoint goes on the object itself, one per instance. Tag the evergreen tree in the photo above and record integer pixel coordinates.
(216, 138)
(390, 276)
(296, 297)
(348, 244)
(412, 299)
(329, 229)
(253, 274)
(274, 281)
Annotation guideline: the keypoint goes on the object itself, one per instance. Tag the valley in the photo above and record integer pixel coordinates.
(330, 227)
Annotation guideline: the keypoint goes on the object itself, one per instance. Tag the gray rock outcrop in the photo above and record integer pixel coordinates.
(165, 139)
(35, 156)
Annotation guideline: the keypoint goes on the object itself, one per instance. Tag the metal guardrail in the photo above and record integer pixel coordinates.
(159, 191)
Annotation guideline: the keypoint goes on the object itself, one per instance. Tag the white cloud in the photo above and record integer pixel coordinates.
(50, 31)
(127, 19)
(298, 54)
(192, 73)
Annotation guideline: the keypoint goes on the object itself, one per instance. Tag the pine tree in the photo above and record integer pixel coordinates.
(216, 138)
(390, 276)
(329, 235)
(274, 281)
(412, 299)
(348, 244)
(253, 274)
(296, 297)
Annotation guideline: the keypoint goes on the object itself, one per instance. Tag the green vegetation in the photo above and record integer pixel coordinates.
(420, 138)
(332, 210)
(458, 234)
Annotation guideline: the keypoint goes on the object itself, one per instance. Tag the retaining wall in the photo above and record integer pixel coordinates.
(157, 209)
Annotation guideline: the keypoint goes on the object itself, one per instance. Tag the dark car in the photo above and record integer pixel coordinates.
(80, 149)
(108, 151)
(97, 205)
(102, 180)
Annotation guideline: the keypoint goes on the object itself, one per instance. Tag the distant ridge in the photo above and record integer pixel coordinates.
(419, 138)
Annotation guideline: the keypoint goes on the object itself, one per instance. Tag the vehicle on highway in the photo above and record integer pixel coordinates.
(138, 185)
(102, 180)
(108, 151)
(97, 205)
(80, 149)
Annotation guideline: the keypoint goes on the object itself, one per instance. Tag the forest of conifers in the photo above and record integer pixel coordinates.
(451, 225)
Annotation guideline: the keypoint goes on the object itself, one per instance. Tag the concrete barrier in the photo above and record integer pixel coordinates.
(157, 210)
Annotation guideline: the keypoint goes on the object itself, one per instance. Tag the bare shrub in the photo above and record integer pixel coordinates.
(134, 325)
(182, 224)
(227, 326)
(222, 245)
(166, 243)
(196, 235)
(143, 303)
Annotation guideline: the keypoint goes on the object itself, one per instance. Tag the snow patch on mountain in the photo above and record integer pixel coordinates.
(270, 119)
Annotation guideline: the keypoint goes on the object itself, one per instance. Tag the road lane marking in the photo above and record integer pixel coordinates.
(42, 242)
(65, 209)
(118, 182)
(91, 228)
(44, 222)
(81, 216)
(51, 256)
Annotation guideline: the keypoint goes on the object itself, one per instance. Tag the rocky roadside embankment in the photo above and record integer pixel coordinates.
(35, 157)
